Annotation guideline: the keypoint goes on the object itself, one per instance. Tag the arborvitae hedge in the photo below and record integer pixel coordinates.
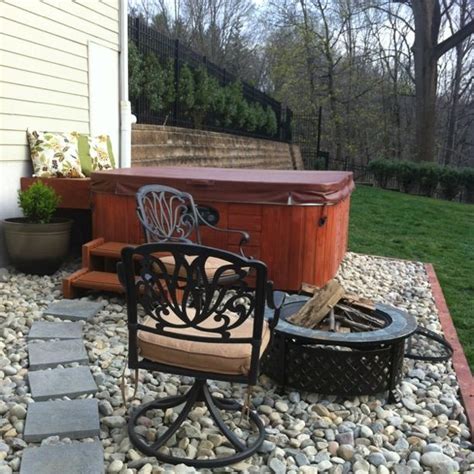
(199, 96)
(169, 93)
(271, 126)
(153, 82)
(428, 179)
(204, 88)
(135, 75)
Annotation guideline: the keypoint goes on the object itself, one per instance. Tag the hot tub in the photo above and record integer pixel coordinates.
(297, 220)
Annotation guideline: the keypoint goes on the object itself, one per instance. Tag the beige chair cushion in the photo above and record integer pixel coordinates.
(221, 358)
(212, 264)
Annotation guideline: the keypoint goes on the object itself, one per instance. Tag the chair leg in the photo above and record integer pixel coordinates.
(198, 392)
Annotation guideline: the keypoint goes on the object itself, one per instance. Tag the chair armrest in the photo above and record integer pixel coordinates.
(244, 239)
(275, 301)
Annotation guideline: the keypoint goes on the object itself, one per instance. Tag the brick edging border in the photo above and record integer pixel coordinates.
(460, 364)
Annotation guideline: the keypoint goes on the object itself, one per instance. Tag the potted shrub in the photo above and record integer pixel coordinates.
(38, 242)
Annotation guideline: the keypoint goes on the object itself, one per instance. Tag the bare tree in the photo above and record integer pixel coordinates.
(427, 52)
(382, 95)
(462, 50)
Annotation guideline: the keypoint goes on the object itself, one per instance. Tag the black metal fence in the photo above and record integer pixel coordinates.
(148, 40)
(306, 132)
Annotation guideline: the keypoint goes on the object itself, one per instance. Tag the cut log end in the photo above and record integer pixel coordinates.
(332, 309)
(317, 308)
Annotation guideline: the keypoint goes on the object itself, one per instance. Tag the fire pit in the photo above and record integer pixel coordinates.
(346, 364)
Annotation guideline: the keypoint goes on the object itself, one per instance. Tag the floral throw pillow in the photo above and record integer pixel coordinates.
(100, 153)
(54, 155)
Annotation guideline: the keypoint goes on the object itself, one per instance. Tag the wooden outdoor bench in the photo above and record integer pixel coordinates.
(75, 192)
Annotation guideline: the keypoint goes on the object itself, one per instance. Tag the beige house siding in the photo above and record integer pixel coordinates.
(45, 77)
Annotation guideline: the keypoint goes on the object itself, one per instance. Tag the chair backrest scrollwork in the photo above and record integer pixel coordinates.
(184, 301)
(167, 214)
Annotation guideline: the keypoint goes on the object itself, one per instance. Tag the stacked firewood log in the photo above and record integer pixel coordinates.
(331, 308)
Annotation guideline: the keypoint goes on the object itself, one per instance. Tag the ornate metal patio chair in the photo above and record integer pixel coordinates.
(221, 337)
(170, 215)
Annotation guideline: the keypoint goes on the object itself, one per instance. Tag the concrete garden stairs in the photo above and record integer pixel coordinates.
(56, 410)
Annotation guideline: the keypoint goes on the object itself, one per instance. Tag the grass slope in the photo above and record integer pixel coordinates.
(417, 228)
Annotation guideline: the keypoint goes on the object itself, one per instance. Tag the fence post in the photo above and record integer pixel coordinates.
(280, 134)
(288, 116)
(132, 29)
(141, 110)
(320, 117)
(176, 80)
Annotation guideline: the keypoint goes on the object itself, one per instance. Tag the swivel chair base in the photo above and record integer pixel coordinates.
(198, 392)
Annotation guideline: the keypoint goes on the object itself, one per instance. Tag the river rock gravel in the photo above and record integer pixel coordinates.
(306, 432)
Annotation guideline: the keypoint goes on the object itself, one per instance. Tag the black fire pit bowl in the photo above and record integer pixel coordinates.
(333, 363)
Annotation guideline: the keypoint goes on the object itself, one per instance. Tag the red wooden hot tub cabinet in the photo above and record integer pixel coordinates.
(297, 220)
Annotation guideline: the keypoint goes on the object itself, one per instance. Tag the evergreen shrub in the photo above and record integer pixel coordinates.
(383, 171)
(204, 91)
(186, 90)
(153, 82)
(271, 125)
(169, 92)
(199, 95)
(467, 180)
(429, 178)
(38, 202)
(135, 71)
(407, 175)
(450, 182)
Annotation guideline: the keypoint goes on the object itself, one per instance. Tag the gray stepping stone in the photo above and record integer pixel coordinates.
(75, 458)
(74, 310)
(71, 418)
(53, 330)
(57, 383)
(51, 353)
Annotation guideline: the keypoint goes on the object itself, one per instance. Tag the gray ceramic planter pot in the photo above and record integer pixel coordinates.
(37, 248)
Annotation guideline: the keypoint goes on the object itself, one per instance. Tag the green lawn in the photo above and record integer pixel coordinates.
(429, 230)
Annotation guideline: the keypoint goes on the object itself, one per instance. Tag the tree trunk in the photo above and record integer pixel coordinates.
(427, 17)
(331, 70)
(334, 113)
(453, 113)
(427, 51)
(309, 59)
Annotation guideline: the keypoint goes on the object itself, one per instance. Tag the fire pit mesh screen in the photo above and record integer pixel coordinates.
(334, 363)
(344, 371)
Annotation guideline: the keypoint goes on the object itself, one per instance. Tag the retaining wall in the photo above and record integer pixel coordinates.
(154, 145)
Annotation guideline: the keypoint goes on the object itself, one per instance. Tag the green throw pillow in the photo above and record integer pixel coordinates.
(95, 153)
